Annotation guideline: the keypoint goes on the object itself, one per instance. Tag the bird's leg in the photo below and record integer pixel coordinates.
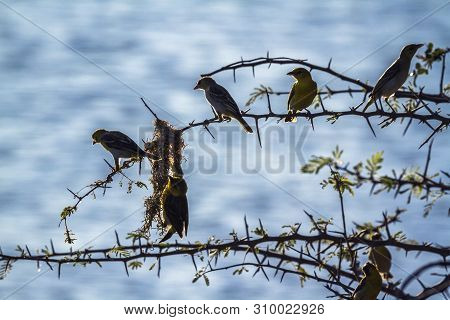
(359, 105)
(117, 163)
(290, 117)
(169, 234)
(376, 105)
(386, 100)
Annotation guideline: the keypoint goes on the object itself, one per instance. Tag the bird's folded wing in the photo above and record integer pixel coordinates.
(291, 95)
(221, 95)
(118, 140)
(176, 209)
(387, 76)
(360, 286)
(185, 214)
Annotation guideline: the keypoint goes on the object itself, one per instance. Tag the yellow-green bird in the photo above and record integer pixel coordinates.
(175, 207)
(394, 76)
(370, 285)
(119, 145)
(303, 92)
(381, 258)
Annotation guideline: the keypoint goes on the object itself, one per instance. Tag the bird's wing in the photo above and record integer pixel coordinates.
(315, 91)
(221, 95)
(168, 235)
(120, 141)
(360, 287)
(384, 252)
(291, 95)
(185, 213)
(387, 76)
(176, 210)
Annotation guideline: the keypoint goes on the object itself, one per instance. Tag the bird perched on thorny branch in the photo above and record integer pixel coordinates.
(302, 94)
(119, 145)
(381, 258)
(394, 77)
(370, 285)
(222, 102)
(175, 207)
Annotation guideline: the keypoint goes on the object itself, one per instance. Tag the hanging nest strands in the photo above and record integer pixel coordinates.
(177, 148)
(167, 145)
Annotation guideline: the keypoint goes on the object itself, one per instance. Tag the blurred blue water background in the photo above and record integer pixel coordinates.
(51, 99)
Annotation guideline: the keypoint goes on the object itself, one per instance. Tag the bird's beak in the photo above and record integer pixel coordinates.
(419, 45)
(93, 142)
(196, 87)
(290, 73)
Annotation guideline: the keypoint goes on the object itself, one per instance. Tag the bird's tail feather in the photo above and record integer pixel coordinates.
(168, 235)
(244, 124)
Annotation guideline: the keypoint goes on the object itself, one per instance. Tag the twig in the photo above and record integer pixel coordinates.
(149, 109)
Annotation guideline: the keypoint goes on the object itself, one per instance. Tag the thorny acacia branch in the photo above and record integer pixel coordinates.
(415, 103)
(410, 113)
(287, 253)
(252, 63)
(411, 181)
(322, 256)
(90, 190)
